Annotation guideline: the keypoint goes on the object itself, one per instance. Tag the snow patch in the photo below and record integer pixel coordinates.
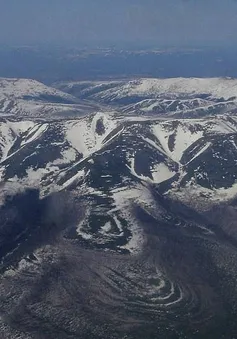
(161, 172)
(183, 138)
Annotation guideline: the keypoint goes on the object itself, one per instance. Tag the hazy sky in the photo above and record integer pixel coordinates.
(170, 22)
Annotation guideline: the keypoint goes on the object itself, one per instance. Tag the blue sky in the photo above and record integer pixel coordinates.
(72, 22)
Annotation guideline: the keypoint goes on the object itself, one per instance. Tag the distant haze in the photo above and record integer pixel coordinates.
(161, 22)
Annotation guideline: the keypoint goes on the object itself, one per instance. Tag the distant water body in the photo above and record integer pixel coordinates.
(52, 65)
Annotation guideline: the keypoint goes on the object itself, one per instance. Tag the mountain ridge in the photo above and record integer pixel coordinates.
(184, 97)
(27, 97)
(118, 224)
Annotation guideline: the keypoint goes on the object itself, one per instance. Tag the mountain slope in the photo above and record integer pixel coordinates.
(25, 97)
(187, 97)
(101, 155)
(117, 225)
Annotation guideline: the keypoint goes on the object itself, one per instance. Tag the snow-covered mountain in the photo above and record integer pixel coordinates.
(213, 87)
(25, 97)
(186, 97)
(121, 160)
(113, 213)
(180, 97)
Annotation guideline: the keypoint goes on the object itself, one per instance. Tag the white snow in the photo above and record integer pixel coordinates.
(35, 133)
(6, 140)
(106, 228)
(24, 97)
(82, 135)
(32, 178)
(216, 87)
(154, 144)
(183, 138)
(77, 177)
(124, 199)
(203, 198)
(68, 156)
(204, 148)
(10, 131)
(161, 172)
(20, 127)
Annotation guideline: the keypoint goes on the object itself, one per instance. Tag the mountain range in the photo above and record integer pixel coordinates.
(118, 208)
